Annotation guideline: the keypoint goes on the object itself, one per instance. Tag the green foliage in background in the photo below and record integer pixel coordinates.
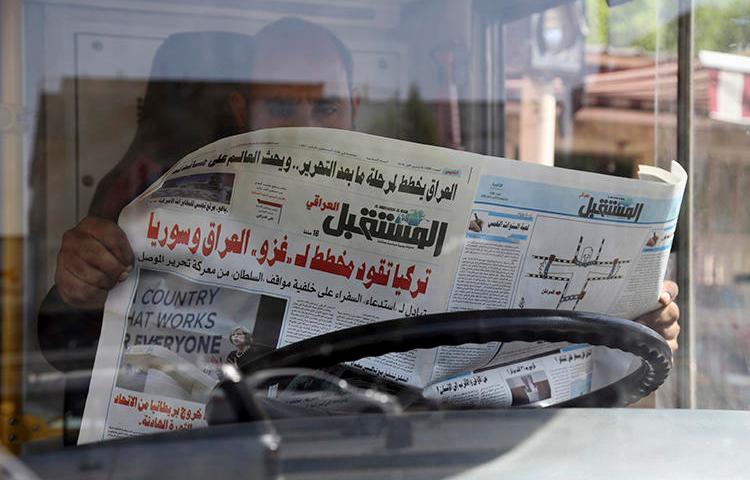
(412, 120)
(720, 25)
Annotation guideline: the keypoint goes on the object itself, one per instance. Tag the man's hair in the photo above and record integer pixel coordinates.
(301, 31)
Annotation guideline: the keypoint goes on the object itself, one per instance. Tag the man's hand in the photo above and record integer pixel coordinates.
(664, 319)
(95, 255)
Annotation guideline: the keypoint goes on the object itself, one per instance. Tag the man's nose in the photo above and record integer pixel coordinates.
(302, 116)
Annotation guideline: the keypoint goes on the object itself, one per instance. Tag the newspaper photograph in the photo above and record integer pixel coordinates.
(263, 239)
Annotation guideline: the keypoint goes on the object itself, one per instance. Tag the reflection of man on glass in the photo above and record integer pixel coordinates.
(242, 340)
(301, 75)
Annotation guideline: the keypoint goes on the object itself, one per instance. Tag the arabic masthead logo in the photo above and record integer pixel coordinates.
(610, 207)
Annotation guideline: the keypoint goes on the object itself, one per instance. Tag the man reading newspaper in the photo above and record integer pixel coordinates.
(302, 76)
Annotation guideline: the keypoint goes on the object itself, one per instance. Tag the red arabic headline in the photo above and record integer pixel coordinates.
(171, 414)
(385, 273)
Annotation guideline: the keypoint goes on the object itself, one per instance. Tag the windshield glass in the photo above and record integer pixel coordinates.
(189, 187)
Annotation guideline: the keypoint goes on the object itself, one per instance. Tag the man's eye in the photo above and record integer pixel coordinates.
(280, 108)
(326, 108)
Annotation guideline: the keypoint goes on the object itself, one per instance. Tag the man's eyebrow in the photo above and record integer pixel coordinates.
(331, 99)
(281, 99)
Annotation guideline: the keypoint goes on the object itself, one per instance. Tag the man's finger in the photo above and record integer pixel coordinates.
(111, 236)
(650, 319)
(78, 293)
(669, 292)
(79, 268)
(101, 258)
(661, 317)
(671, 332)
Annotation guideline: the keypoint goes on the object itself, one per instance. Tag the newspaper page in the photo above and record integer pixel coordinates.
(267, 238)
(542, 237)
(261, 240)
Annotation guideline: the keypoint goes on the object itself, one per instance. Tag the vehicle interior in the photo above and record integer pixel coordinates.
(100, 101)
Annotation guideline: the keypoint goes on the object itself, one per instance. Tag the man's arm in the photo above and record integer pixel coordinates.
(68, 336)
(95, 255)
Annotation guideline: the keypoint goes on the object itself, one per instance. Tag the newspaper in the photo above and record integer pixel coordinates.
(267, 238)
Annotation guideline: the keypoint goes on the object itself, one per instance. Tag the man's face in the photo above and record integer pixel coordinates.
(299, 86)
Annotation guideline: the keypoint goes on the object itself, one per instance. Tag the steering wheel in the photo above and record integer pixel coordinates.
(479, 326)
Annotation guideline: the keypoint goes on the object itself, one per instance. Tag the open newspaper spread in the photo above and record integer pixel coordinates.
(267, 238)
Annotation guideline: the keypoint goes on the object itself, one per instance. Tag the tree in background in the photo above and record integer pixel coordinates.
(412, 120)
(720, 25)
